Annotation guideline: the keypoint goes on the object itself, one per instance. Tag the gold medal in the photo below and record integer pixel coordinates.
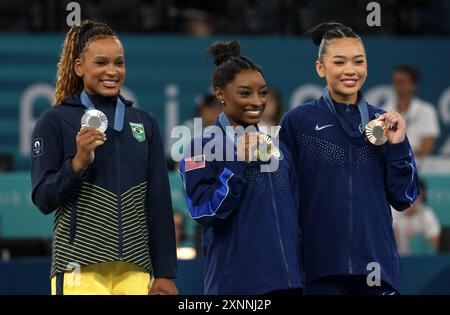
(266, 149)
(376, 132)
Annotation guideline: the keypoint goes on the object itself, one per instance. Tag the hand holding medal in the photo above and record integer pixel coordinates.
(95, 119)
(257, 146)
(246, 143)
(90, 136)
(266, 148)
(389, 127)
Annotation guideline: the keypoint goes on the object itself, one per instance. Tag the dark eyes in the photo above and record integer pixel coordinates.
(340, 63)
(103, 63)
(248, 93)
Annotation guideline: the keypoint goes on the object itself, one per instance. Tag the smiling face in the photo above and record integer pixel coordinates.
(404, 85)
(245, 98)
(344, 66)
(102, 66)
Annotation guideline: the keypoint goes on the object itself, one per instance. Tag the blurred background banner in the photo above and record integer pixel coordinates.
(167, 74)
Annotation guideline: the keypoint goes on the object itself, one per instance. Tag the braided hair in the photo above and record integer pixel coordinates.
(77, 40)
(324, 33)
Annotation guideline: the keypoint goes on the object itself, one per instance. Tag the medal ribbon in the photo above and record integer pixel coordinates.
(232, 133)
(119, 115)
(362, 107)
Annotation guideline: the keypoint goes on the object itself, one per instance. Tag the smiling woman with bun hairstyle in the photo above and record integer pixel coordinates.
(251, 236)
(347, 183)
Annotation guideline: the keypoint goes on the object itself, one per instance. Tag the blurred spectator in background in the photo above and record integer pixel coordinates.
(180, 229)
(5, 253)
(171, 164)
(286, 17)
(255, 16)
(208, 109)
(198, 23)
(421, 117)
(416, 220)
(274, 109)
(197, 18)
(184, 251)
(6, 163)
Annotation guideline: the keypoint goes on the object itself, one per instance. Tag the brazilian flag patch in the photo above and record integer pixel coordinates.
(138, 131)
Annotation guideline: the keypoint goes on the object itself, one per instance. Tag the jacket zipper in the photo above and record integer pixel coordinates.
(350, 208)
(119, 200)
(275, 209)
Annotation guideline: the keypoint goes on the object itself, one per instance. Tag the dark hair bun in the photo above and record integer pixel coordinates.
(317, 32)
(222, 51)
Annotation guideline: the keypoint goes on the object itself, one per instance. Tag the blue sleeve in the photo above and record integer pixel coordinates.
(213, 194)
(402, 180)
(53, 180)
(159, 209)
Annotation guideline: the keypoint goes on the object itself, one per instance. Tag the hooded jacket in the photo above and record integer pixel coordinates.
(120, 209)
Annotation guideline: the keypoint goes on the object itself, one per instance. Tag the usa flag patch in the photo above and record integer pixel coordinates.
(194, 163)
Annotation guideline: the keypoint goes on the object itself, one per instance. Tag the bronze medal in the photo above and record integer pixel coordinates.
(376, 132)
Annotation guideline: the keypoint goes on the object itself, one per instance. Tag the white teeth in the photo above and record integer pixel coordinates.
(253, 112)
(349, 82)
(109, 83)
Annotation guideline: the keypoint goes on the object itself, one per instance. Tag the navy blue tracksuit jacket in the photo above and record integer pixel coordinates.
(120, 210)
(346, 190)
(251, 221)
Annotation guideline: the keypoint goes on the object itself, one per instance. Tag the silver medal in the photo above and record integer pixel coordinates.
(96, 119)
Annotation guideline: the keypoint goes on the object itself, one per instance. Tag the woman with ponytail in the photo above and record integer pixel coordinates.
(348, 175)
(251, 236)
(113, 228)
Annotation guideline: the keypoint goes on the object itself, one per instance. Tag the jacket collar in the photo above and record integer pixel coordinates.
(232, 134)
(74, 100)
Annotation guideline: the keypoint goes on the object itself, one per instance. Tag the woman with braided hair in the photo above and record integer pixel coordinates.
(113, 226)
